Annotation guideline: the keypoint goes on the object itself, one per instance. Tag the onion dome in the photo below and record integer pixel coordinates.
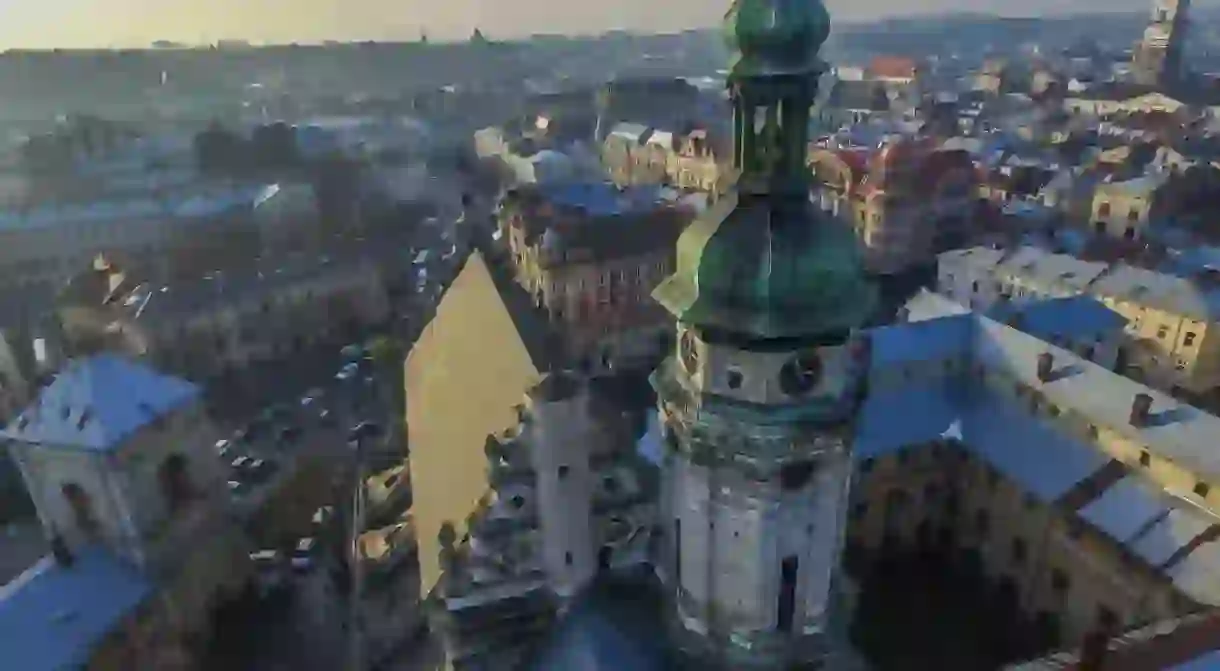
(776, 36)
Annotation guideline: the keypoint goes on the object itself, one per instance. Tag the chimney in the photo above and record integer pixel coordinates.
(1093, 651)
(1141, 408)
(59, 550)
(1046, 366)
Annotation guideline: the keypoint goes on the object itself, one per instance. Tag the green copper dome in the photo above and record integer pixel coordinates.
(750, 265)
(773, 36)
(761, 263)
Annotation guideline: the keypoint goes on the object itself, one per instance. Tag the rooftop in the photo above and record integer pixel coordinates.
(1167, 530)
(96, 403)
(52, 617)
(187, 206)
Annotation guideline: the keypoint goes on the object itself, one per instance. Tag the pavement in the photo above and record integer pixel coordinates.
(309, 630)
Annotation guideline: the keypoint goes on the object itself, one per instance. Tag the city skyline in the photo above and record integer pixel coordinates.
(81, 23)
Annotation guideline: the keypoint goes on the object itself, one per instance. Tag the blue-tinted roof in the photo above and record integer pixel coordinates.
(179, 207)
(96, 403)
(928, 340)
(51, 617)
(1169, 534)
(1067, 317)
(1125, 508)
(1198, 574)
(894, 419)
(601, 199)
(1180, 432)
(1044, 461)
(1207, 662)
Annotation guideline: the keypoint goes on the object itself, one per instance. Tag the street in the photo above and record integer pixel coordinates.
(301, 631)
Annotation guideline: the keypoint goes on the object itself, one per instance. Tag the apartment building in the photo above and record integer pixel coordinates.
(43, 246)
(1125, 208)
(636, 154)
(1169, 339)
(218, 323)
(905, 201)
(590, 255)
(120, 463)
(1085, 497)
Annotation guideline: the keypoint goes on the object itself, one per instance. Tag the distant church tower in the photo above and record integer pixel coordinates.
(1158, 57)
(759, 400)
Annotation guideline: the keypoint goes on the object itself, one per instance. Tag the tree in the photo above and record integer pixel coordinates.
(275, 146)
(220, 152)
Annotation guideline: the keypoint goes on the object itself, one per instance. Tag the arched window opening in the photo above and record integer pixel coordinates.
(82, 509)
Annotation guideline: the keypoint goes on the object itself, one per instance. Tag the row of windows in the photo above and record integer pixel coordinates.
(1103, 210)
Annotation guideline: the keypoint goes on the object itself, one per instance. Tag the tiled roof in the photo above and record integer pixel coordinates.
(922, 341)
(52, 617)
(1065, 317)
(96, 403)
(1125, 508)
(1044, 461)
(980, 258)
(1048, 269)
(931, 305)
(892, 66)
(1175, 431)
(1175, 294)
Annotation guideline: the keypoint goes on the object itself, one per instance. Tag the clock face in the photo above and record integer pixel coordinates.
(800, 374)
(688, 352)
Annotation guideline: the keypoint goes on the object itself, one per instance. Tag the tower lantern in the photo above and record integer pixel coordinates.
(760, 395)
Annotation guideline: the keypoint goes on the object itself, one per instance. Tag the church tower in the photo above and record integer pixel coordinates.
(1158, 56)
(759, 399)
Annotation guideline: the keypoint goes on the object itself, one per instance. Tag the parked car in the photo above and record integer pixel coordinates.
(326, 417)
(236, 488)
(347, 372)
(302, 556)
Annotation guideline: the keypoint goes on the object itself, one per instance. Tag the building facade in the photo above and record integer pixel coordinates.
(757, 402)
(131, 492)
(906, 201)
(1169, 318)
(1158, 57)
(1039, 469)
(636, 154)
(589, 255)
(218, 323)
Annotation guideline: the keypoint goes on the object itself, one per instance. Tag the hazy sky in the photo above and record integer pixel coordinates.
(75, 23)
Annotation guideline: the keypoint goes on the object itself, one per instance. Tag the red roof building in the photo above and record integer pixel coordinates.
(893, 68)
